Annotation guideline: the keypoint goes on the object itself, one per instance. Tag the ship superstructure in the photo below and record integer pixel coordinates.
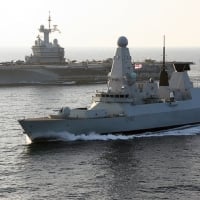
(44, 51)
(127, 106)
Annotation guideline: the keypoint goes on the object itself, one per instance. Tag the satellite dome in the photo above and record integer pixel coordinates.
(41, 27)
(122, 41)
(55, 41)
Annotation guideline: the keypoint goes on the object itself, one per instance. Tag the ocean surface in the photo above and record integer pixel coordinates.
(161, 165)
(90, 53)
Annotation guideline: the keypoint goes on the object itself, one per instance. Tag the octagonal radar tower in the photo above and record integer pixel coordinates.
(122, 75)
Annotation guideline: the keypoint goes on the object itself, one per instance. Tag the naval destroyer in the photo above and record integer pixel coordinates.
(127, 106)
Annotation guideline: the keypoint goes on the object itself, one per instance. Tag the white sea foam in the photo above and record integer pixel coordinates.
(183, 131)
(92, 136)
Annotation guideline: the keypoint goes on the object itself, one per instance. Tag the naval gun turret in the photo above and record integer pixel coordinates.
(45, 52)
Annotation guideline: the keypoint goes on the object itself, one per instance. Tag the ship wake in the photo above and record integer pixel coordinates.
(66, 136)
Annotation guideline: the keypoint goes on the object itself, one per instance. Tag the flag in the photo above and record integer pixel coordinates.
(138, 65)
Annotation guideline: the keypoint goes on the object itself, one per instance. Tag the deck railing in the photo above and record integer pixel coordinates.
(196, 82)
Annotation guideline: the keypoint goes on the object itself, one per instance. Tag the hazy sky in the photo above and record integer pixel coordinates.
(90, 23)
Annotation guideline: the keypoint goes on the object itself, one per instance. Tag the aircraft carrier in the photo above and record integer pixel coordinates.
(47, 65)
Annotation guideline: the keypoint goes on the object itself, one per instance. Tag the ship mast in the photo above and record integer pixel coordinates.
(49, 20)
(163, 65)
(163, 74)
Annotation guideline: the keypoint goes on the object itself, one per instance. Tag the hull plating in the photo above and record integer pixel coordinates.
(143, 118)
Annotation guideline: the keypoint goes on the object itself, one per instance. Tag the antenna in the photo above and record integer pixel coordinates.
(49, 20)
(55, 29)
(163, 66)
(163, 74)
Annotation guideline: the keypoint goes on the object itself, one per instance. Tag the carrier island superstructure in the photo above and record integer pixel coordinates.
(45, 52)
(127, 106)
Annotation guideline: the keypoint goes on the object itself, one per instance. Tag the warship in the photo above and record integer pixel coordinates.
(47, 65)
(127, 106)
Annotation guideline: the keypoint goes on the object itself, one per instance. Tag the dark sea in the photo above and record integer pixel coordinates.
(161, 165)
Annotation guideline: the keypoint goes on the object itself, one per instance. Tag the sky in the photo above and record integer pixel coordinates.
(99, 23)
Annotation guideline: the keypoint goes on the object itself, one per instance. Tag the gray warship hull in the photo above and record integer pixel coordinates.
(52, 74)
(79, 73)
(135, 119)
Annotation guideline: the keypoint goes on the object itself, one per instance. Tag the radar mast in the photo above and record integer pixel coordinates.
(163, 65)
(49, 20)
(163, 74)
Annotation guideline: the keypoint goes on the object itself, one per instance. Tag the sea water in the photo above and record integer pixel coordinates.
(161, 165)
(95, 53)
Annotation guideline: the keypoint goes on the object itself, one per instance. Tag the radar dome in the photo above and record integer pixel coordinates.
(122, 41)
(41, 28)
(55, 41)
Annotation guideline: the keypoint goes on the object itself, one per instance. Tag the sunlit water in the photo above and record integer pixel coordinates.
(161, 165)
